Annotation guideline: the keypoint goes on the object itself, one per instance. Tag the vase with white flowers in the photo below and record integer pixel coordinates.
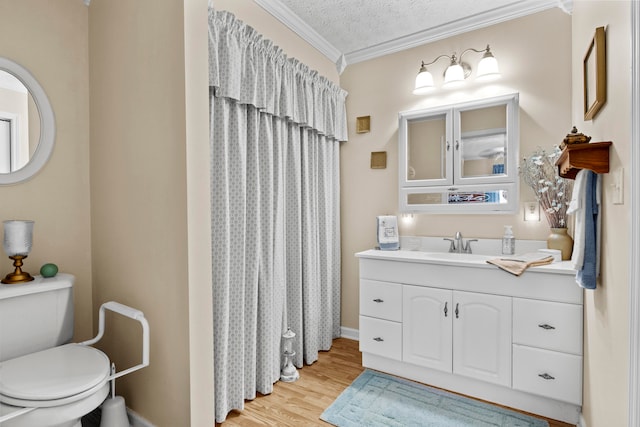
(539, 171)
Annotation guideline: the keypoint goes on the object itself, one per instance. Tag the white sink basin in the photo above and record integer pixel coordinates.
(452, 256)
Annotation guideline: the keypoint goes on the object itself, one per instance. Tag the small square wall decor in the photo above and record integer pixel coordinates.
(378, 160)
(363, 124)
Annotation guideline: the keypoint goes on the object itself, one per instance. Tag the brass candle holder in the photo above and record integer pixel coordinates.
(18, 276)
(18, 237)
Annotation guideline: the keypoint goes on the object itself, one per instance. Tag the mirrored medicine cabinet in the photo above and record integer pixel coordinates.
(460, 158)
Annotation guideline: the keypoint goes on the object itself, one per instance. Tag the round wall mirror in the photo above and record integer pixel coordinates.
(27, 124)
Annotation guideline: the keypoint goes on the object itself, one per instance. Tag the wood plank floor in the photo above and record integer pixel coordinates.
(300, 403)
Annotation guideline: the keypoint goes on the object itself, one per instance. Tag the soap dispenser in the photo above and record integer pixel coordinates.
(508, 241)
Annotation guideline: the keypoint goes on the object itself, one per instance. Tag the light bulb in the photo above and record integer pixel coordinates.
(454, 75)
(424, 82)
(488, 67)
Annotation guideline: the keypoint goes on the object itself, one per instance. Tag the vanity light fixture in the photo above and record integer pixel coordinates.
(457, 71)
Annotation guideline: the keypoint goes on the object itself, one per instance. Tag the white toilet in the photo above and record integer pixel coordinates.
(44, 380)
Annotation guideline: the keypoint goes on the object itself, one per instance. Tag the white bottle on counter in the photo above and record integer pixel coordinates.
(508, 241)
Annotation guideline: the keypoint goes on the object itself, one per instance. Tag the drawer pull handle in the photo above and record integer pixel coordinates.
(378, 300)
(545, 326)
(378, 339)
(457, 311)
(546, 376)
(446, 310)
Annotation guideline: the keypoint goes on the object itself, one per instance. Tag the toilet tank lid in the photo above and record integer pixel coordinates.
(38, 284)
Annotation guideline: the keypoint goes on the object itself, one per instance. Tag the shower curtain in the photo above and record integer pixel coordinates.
(275, 128)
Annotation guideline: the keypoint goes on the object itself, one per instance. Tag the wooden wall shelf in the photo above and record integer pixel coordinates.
(593, 156)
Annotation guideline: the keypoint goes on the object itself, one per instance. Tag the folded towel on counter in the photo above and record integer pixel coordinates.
(517, 264)
(388, 238)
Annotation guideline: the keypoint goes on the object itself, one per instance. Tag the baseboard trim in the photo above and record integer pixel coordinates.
(136, 420)
(581, 421)
(350, 333)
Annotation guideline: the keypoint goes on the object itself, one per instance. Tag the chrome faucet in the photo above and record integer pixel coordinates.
(458, 245)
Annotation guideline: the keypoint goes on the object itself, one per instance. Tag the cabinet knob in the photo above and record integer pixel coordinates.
(545, 326)
(378, 300)
(457, 311)
(378, 339)
(546, 376)
(448, 146)
(457, 145)
(446, 310)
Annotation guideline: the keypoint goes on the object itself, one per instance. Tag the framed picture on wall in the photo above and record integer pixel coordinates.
(594, 69)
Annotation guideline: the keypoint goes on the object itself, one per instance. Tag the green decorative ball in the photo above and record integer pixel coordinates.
(49, 270)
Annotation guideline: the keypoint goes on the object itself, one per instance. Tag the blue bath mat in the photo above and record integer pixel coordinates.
(379, 400)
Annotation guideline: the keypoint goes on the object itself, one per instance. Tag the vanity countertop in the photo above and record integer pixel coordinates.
(460, 260)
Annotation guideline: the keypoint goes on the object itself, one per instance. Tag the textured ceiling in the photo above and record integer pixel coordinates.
(351, 25)
(349, 31)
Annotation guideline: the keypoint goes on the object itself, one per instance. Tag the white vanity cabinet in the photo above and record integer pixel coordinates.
(468, 333)
(474, 329)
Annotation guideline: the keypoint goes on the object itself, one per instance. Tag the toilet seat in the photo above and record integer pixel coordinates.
(53, 377)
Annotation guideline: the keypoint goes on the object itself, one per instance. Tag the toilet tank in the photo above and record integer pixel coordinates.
(35, 315)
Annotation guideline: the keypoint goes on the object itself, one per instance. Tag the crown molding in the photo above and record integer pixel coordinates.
(461, 26)
(566, 6)
(311, 36)
(285, 15)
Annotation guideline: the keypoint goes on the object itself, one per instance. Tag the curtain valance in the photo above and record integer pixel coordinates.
(250, 69)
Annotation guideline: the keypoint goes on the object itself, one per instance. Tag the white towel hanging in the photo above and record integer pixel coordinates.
(576, 207)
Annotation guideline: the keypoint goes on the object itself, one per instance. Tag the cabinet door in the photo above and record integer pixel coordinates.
(427, 327)
(485, 141)
(482, 337)
(425, 147)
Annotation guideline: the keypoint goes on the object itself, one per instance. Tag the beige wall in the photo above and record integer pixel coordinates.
(50, 39)
(535, 63)
(139, 195)
(199, 212)
(606, 309)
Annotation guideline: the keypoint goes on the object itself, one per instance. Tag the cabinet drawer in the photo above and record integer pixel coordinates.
(549, 325)
(381, 299)
(548, 373)
(381, 337)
